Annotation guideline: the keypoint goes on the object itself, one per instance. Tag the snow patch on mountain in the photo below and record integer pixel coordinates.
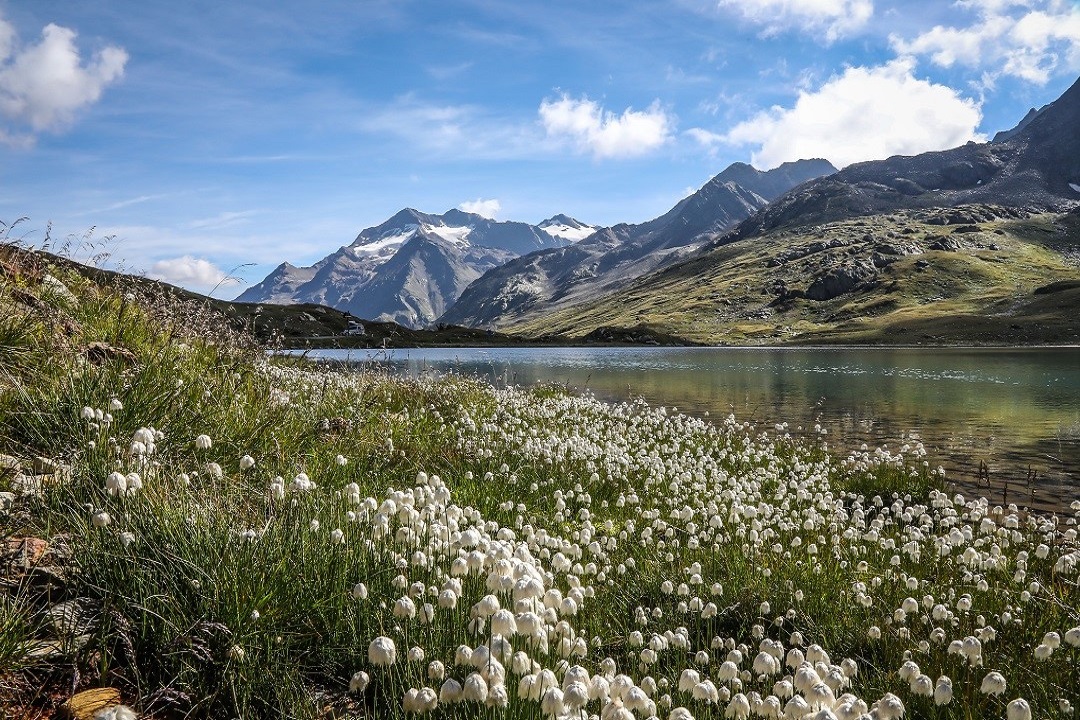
(456, 235)
(566, 232)
(567, 228)
(387, 245)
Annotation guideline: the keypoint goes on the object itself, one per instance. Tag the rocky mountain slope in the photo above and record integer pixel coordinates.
(975, 274)
(977, 244)
(410, 268)
(1034, 166)
(547, 280)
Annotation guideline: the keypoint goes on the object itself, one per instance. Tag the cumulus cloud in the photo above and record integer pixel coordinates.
(866, 113)
(479, 206)
(43, 85)
(831, 19)
(1030, 40)
(602, 133)
(190, 272)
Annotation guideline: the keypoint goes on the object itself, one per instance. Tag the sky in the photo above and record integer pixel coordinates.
(206, 142)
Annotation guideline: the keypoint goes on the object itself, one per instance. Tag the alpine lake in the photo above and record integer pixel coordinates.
(1002, 422)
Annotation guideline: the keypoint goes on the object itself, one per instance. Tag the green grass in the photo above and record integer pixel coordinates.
(213, 595)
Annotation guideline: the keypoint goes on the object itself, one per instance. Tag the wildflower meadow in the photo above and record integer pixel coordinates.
(239, 535)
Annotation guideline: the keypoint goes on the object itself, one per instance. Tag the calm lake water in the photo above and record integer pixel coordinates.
(1013, 409)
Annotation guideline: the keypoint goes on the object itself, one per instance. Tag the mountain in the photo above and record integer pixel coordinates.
(410, 268)
(567, 228)
(546, 280)
(1036, 166)
(976, 244)
(972, 274)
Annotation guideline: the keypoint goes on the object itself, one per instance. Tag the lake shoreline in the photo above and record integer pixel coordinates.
(1003, 410)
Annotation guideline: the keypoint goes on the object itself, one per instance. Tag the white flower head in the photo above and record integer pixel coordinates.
(382, 651)
(359, 682)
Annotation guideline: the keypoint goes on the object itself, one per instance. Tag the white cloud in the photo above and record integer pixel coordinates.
(190, 272)
(1030, 40)
(484, 208)
(863, 114)
(44, 85)
(602, 133)
(832, 19)
(706, 138)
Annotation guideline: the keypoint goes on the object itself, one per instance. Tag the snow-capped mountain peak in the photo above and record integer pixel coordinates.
(567, 228)
(413, 266)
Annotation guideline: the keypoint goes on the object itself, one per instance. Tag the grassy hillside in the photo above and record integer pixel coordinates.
(971, 275)
(286, 326)
(198, 531)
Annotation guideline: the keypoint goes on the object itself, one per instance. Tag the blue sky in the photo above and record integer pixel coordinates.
(199, 137)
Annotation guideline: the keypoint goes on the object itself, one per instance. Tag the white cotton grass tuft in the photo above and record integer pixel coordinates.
(359, 682)
(203, 442)
(116, 712)
(993, 683)
(1018, 709)
(943, 691)
(382, 652)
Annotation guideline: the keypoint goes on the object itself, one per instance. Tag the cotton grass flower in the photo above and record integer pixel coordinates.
(203, 442)
(943, 691)
(475, 689)
(382, 652)
(450, 692)
(247, 462)
(1018, 709)
(993, 684)
(359, 682)
(116, 712)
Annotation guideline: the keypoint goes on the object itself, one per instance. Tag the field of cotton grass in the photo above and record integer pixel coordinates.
(244, 537)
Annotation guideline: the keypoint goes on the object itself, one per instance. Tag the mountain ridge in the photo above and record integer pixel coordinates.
(615, 256)
(409, 268)
(1033, 168)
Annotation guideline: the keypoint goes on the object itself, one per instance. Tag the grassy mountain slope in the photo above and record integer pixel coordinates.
(975, 274)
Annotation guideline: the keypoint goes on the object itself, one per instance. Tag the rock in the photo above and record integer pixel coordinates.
(900, 249)
(10, 466)
(43, 466)
(906, 186)
(7, 500)
(29, 485)
(881, 261)
(100, 352)
(24, 552)
(837, 281)
(69, 619)
(58, 291)
(44, 649)
(82, 706)
(948, 244)
(922, 264)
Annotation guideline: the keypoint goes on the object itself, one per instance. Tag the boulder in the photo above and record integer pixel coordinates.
(842, 279)
(947, 244)
(84, 705)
